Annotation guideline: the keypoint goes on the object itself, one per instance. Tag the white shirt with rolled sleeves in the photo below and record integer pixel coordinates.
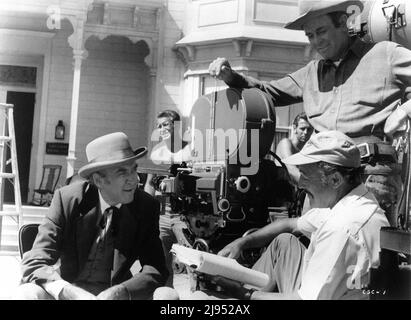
(345, 244)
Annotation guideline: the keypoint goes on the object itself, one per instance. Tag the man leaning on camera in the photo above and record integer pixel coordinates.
(353, 88)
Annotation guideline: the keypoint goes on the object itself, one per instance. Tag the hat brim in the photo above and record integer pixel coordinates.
(298, 24)
(89, 168)
(300, 159)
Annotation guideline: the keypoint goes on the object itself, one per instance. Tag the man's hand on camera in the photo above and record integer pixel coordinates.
(221, 69)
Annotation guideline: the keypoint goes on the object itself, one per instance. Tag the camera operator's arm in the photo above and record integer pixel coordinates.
(221, 69)
(259, 238)
(284, 91)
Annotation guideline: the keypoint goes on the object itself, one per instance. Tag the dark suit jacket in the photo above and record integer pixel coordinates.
(69, 229)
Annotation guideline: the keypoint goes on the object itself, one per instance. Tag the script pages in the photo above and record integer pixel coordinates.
(213, 264)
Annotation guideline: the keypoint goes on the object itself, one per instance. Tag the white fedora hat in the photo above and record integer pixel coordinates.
(310, 9)
(107, 151)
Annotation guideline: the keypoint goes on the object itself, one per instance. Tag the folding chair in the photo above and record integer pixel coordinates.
(27, 235)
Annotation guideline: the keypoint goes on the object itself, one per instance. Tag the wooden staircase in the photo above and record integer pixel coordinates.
(9, 237)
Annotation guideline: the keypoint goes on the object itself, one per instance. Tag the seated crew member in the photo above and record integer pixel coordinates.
(95, 230)
(343, 225)
(344, 91)
(301, 132)
(167, 152)
(169, 149)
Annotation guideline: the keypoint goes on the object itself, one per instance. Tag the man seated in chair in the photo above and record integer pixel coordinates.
(94, 232)
(343, 226)
(301, 132)
(169, 152)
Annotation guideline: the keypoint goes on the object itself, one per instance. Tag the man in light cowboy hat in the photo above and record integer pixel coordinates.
(352, 89)
(95, 230)
(343, 228)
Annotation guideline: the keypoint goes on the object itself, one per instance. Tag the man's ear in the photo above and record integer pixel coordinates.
(96, 178)
(343, 21)
(336, 179)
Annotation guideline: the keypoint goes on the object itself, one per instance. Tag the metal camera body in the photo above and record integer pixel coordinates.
(168, 185)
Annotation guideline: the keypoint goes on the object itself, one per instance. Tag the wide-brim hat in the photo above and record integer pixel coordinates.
(111, 150)
(328, 146)
(310, 9)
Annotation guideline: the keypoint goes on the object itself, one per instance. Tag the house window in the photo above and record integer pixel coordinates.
(18, 76)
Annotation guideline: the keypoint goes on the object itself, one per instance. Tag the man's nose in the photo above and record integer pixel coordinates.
(316, 41)
(133, 177)
(313, 41)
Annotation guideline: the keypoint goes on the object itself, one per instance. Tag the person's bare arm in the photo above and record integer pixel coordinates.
(259, 238)
(284, 150)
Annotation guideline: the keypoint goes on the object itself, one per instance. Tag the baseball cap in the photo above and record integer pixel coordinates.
(329, 146)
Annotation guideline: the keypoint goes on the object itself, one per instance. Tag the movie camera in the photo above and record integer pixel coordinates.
(230, 181)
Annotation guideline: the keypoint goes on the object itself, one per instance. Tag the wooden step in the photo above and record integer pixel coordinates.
(10, 230)
(5, 138)
(5, 175)
(9, 251)
(9, 233)
(28, 210)
(9, 213)
(6, 105)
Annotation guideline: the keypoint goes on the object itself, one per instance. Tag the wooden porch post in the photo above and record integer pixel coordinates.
(79, 53)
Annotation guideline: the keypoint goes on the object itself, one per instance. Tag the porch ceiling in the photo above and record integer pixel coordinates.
(265, 34)
(71, 7)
